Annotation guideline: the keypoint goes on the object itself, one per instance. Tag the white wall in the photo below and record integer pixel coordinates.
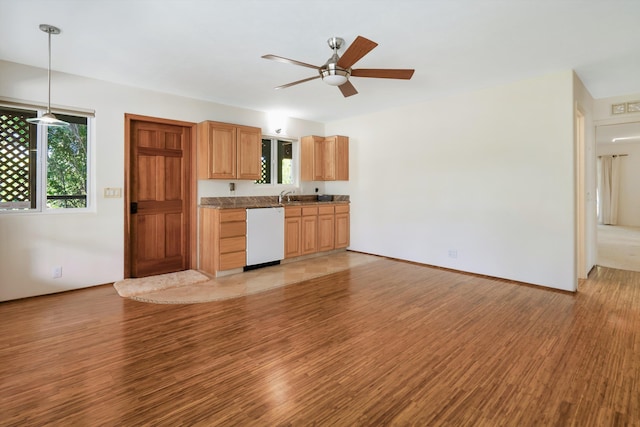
(89, 246)
(488, 174)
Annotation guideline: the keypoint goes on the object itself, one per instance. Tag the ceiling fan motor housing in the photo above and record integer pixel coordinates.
(331, 73)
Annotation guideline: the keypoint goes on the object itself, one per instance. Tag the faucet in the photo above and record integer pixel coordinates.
(284, 193)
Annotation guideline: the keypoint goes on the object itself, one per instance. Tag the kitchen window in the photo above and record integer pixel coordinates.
(43, 168)
(278, 162)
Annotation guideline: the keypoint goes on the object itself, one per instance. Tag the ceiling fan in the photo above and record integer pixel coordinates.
(337, 70)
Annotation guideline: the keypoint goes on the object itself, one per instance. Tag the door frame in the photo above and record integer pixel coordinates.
(191, 194)
(581, 190)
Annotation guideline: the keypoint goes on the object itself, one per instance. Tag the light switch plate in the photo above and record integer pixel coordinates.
(112, 193)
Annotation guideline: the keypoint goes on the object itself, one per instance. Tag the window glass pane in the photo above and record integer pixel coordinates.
(285, 162)
(265, 167)
(67, 164)
(18, 161)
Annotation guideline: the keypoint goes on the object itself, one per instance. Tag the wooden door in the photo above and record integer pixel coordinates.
(159, 194)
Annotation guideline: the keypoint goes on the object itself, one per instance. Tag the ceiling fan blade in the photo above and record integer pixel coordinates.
(383, 73)
(347, 89)
(289, 61)
(359, 48)
(296, 83)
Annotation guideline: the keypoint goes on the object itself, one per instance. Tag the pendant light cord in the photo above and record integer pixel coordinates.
(49, 74)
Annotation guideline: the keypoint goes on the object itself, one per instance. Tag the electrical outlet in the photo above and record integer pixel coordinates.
(453, 253)
(57, 272)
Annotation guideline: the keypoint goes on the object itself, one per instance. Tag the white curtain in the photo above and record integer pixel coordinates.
(609, 187)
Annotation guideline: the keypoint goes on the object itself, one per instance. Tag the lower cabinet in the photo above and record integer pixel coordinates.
(222, 239)
(342, 226)
(315, 228)
(309, 235)
(292, 231)
(326, 228)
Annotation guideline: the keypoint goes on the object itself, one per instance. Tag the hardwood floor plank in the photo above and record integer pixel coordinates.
(387, 343)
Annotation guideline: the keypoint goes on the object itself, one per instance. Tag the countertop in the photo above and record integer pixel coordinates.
(265, 202)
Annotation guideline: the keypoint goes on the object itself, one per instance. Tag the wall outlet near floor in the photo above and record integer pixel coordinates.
(57, 272)
(453, 253)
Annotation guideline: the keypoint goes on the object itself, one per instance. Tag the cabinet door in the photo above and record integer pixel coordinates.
(249, 150)
(221, 151)
(329, 158)
(326, 231)
(306, 158)
(318, 159)
(342, 230)
(207, 240)
(342, 158)
(309, 234)
(292, 237)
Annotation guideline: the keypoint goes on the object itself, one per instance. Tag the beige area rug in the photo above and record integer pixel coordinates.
(144, 285)
(619, 247)
(170, 291)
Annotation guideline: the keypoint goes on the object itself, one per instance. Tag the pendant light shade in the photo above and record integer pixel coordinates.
(48, 118)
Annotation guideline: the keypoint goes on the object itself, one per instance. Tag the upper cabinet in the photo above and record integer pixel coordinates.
(324, 158)
(228, 151)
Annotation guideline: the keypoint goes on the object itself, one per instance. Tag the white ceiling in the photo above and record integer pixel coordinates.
(211, 49)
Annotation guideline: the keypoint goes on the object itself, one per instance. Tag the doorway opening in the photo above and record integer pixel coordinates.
(618, 195)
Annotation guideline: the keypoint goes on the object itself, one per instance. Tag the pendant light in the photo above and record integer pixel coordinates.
(48, 118)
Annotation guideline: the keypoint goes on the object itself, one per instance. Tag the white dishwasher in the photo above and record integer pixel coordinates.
(265, 235)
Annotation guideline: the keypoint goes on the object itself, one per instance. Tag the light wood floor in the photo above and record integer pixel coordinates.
(387, 343)
(619, 247)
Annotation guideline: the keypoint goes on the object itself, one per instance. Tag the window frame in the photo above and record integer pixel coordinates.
(295, 163)
(41, 162)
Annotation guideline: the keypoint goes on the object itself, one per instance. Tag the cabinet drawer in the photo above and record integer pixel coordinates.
(342, 208)
(325, 210)
(233, 260)
(233, 229)
(233, 244)
(233, 215)
(292, 211)
(309, 210)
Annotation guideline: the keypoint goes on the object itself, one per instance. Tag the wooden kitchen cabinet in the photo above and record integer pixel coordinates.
(324, 158)
(315, 228)
(228, 151)
(292, 231)
(309, 230)
(342, 223)
(222, 239)
(326, 228)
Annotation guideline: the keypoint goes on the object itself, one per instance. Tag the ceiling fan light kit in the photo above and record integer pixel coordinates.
(335, 76)
(337, 70)
(48, 118)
